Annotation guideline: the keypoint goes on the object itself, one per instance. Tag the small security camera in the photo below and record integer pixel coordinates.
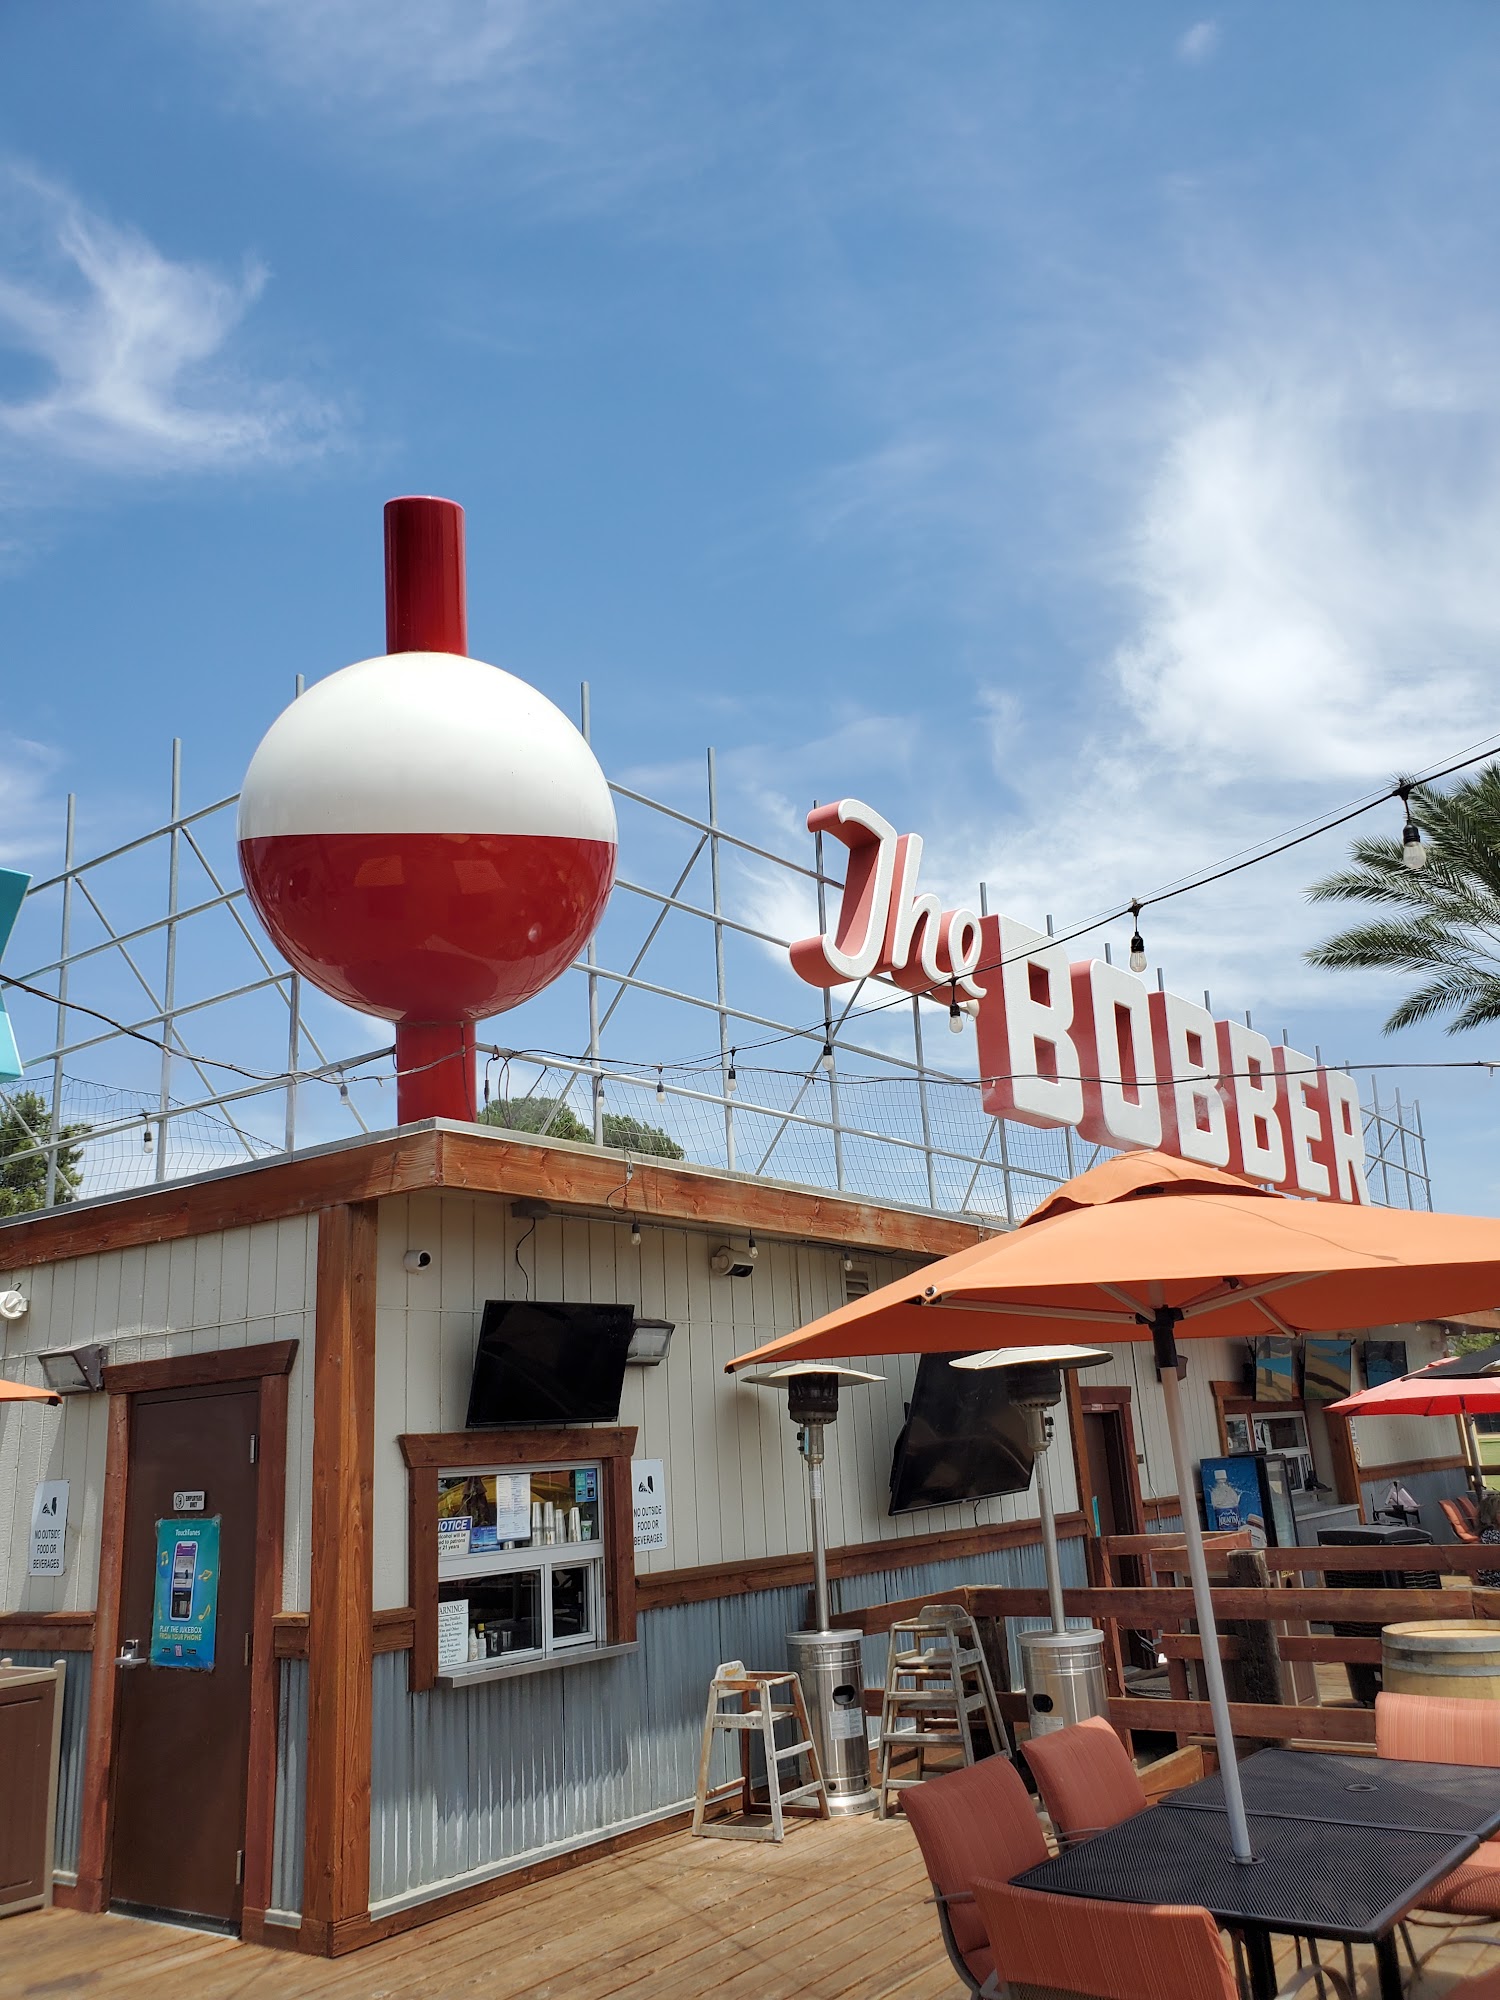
(727, 1263)
(417, 1260)
(13, 1305)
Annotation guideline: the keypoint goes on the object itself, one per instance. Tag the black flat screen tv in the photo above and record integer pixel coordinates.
(963, 1439)
(541, 1361)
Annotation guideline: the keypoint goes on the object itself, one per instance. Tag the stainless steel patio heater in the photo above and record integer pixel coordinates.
(829, 1664)
(1063, 1670)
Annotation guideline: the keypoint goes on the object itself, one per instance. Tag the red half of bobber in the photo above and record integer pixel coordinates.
(429, 926)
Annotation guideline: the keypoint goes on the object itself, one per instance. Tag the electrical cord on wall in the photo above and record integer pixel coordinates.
(530, 1230)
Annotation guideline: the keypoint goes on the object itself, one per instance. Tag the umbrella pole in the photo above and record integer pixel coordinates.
(1163, 1330)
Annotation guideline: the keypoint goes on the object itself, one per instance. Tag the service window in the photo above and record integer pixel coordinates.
(520, 1563)
(520, 1550)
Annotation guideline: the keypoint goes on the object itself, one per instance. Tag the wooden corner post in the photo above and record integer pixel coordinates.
(339, 1671)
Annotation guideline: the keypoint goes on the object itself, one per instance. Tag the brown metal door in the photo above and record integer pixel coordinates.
(178, 1786)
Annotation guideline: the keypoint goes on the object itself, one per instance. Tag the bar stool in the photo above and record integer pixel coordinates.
(937, 1688)
(757, 1714)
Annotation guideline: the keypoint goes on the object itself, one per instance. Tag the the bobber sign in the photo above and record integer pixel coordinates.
(424, 836)
(1087, 1044)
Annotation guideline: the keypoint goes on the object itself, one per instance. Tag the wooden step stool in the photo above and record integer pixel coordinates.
(937, 1683)
(758, 1714)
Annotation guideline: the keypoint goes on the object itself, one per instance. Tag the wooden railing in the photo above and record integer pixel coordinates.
(1164, 1611)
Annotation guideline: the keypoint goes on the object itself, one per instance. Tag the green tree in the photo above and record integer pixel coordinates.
(1440, 923)
(26, 1122)
(630, 1135)
(550, 1115)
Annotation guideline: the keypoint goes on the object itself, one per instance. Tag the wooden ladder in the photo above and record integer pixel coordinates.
(937, 1688)
(757, 1714)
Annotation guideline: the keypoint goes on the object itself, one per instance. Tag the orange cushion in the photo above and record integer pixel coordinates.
(1072, 1944)
(1085, 1777)
(1437, 1729)
(1472, 1890)
(972, 1823)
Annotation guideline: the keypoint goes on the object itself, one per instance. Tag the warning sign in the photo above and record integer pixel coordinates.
(649, 1489)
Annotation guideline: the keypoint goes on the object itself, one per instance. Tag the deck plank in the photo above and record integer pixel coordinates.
(836, 1913)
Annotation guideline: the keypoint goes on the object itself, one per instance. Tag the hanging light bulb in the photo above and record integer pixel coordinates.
(661, 1088)
(1137, 942)
(146, 1136)
(731, 1080)
(752, 1250)
(826, 1059)
(486, 1090)
(635, 1236)
(955, 1012)
(343, 1091)
(1413, 853)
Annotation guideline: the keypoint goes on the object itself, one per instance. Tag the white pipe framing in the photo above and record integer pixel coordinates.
(77, 978)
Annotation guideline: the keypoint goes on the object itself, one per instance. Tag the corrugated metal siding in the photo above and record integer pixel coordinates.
(291, 1787)
(467, 1780)
(74, 1731)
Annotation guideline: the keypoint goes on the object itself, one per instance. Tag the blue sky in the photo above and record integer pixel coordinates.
(1074, 429)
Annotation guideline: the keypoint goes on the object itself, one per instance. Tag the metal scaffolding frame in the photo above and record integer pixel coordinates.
(877, 1117)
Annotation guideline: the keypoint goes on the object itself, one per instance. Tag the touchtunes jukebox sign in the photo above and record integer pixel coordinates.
(1087, 1044)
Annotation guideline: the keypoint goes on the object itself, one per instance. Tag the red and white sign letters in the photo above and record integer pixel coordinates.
(1087, 1044)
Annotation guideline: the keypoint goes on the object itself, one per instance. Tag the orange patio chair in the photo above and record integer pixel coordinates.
(1045, 1947)
(1086, 1779)
(1443, 1729)
(976, 1822)
(1462, 1516)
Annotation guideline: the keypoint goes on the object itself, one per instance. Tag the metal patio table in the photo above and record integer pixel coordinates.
(1344, 1847)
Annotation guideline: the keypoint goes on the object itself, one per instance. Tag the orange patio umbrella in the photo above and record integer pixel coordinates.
(1146, 1246)
(19, 1392)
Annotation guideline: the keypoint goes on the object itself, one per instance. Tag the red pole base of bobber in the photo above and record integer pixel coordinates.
(436, 1070)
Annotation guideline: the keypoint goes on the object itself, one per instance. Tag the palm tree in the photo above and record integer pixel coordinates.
(1444, 919)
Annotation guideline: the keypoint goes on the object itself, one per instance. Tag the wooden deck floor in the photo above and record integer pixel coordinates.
(837, 1913)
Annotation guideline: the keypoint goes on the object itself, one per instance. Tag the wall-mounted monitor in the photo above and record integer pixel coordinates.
(1275, 1369)
(1385, 1361)
(963, 1438)
(543, 1361)
(1327, 1370)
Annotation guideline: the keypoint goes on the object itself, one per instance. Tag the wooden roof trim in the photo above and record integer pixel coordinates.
(439, 1155)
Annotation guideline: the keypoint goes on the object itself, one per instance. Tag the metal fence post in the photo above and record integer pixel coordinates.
(916, 1030)
(591, 957)
(831, 1058)
(169, 986)
(718, 910)
(62, 1001)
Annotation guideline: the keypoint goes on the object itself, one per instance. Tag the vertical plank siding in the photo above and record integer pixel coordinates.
(235, 1288)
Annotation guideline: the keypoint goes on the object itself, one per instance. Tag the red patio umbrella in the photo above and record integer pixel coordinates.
(1150, 1247)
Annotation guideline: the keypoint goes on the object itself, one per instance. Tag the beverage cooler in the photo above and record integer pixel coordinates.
(1251, 1489)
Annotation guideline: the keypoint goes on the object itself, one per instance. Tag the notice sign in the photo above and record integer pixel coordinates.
(185, 1611)
(649, 1491)
(49, 1528)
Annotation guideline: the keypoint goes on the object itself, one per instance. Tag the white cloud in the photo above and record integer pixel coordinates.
(1199, 43)
(571, 89)
(29, 810)
(134, 351)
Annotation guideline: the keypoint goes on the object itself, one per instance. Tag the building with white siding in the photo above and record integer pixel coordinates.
(376, 1791)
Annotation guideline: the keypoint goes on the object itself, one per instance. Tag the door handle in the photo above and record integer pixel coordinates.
(130, 1654)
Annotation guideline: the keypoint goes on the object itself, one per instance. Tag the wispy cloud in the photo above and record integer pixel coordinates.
(28, 808)
(1199, 42)
(135, 352)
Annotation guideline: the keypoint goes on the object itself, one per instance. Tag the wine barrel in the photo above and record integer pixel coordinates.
(1443, 1656)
